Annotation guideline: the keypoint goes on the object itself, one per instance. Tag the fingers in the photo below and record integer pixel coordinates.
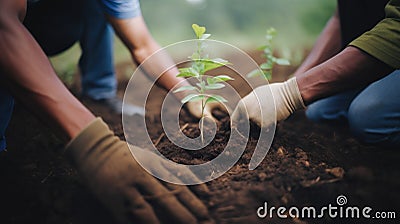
(186, 197)
(138, 210)
(185, 175)
(208, 112)
(191, 202)
(195, 109)
(187, 201)
(201, 190)
(181, 172)
(218, 105)
(166, 205)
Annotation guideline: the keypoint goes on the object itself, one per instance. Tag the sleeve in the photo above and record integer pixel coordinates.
(383, 41)
(121, 9)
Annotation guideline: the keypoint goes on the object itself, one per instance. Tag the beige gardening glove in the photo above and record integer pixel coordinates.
(108, 168)
(194, 108)
(286, 96)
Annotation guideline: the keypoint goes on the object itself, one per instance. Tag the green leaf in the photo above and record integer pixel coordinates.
(198, 67)
(198, 30)
(267, 75)
(210, 80)
(184, 88)
(267, 51)
(261, 48)
(192, 98)
(200, 85)
(203, 83)
(215, 86)
(187, 72)
(210, 64)
(222, 78)
(216, 98)
(266, 66)
(271, 32)
(255, 73)
(282, 61)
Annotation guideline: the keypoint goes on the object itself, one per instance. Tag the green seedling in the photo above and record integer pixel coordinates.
(201, 63)
(271, 60)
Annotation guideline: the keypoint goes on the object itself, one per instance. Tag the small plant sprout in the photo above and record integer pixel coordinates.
(201, 63)
(268, 50)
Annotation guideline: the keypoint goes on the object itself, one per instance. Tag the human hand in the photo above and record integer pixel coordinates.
(194, 108)
(286, 97)
(110, 171)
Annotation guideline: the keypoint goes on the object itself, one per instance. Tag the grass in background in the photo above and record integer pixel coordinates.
(237, 22)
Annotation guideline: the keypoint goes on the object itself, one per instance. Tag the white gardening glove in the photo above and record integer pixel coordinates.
(286, 96)
(194, 108)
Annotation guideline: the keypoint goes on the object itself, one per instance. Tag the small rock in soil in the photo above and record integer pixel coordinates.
(281, 151)
(336, 172)
(300, 154)
(262, 176)
(306, 163)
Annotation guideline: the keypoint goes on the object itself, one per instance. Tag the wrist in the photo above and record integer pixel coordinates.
(294, 96)
(88, 138)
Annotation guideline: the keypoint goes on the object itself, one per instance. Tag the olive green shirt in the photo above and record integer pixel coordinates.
(383, 41)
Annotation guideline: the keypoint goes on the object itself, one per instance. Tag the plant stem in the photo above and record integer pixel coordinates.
(200, 79)
(203, 105)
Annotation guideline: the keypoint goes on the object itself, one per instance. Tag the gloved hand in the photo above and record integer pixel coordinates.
(110, 171)
(286, 96)
(194, 109)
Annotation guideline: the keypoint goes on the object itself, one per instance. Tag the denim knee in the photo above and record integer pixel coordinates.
(368, 124)
(315, 112)
(332, 109)
(324, 111)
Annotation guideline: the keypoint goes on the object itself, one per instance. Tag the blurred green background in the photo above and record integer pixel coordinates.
(237, 22)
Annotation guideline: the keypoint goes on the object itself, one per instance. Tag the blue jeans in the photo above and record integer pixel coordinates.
(56, 26)
(6, 108)
(372, 113)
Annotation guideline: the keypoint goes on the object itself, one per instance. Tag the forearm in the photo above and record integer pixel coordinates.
(327, 45)
(136, 37)
(160, 63)
(351, 68)
(28, 75)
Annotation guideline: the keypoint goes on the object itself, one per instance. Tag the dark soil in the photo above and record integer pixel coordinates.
(308, 165)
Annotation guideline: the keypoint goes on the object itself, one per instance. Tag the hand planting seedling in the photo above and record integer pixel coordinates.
(201, 63)
(268, 50)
